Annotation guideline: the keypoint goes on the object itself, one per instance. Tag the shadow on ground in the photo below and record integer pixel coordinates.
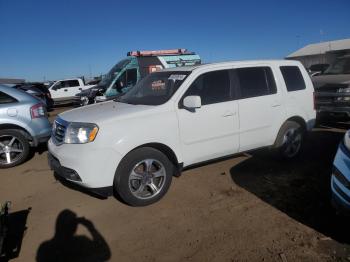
(67, 246)
(16, 227)
(301, 188)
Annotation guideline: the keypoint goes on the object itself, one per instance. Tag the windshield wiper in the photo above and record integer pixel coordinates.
(119, 100)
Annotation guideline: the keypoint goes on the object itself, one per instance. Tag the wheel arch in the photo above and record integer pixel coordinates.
(299, 120)
(22, 129)
(166, 150)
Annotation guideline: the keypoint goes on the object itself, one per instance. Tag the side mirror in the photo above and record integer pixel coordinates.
(99, 99)
(192, 102)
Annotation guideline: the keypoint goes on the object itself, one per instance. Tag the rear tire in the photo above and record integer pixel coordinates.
(14, 148)
(290, 140)
(143, 177)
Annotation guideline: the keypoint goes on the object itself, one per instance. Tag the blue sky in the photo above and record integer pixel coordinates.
(58, 39)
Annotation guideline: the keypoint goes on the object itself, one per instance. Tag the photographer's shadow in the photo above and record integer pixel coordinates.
(67, 246)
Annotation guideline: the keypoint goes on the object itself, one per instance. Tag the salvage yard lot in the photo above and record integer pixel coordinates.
(247, 208)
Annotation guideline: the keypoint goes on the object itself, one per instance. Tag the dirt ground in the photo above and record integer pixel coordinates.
(247, 208)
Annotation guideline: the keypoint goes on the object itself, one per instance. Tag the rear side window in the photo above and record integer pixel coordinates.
(293, 78)
(256, 81)
(72, 83)
(5, 98)
(212, 87)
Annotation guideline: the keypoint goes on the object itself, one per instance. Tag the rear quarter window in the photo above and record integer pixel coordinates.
(6, 99)
(293, 78)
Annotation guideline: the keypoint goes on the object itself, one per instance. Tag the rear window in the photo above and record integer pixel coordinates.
(5, 98)
(293, 78)
(256, 81)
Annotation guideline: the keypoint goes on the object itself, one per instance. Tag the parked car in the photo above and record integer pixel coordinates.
(23, 124)
(127, 72)
(340, 182)
(179, 117)
(317, 69)
(332, 91)
(39, 90)
(64, 91)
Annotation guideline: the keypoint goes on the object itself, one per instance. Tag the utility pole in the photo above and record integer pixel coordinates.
(90, 71)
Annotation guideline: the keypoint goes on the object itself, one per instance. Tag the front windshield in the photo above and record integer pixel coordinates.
(341, 66)
(108, 78)
(155, 89)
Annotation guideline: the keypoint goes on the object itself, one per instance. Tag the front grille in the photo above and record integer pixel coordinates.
(331, 99)
(59, 130)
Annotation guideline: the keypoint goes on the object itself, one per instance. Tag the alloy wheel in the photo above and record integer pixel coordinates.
(147, 179)
(292, 142)
(11, 149)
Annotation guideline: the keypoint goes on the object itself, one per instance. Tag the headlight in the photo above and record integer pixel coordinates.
(80, 133)
(344, 90)
(347, 140)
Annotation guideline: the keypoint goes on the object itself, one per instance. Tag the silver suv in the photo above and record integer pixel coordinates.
(23, 124)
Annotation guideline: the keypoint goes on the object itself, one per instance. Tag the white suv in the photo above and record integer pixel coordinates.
(179, 117)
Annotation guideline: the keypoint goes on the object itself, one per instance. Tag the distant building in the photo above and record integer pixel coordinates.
(11, 81)
(321, 53)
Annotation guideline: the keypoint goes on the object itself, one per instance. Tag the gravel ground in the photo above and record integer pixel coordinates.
(247, 208)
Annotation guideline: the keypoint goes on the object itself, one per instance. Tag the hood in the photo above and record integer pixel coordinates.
(104, 112)
(322, 80)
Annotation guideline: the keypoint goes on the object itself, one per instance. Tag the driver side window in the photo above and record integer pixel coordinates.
(58, 85)
(212, 87)
(127, 79)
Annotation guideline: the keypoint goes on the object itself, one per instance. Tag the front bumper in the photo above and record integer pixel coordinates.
(95, 166)
(71, 179)
(328, 103)
(340, 181)
(334, 111)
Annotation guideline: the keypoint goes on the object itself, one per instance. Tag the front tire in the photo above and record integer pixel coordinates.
(290, 140)
(14, 148)
(143, 177)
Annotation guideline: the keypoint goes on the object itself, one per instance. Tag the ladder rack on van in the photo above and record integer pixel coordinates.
(180, 51)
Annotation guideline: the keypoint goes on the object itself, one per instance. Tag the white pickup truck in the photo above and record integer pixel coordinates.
(63, 91)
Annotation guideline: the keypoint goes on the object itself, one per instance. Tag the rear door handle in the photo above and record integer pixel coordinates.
(80, 88)
(227, 114)
(65, 90)
(276, 104)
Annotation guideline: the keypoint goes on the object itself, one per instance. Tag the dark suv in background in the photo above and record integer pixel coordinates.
(39, 90)
(332, 91)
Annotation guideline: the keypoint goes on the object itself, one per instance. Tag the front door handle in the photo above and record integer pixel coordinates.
(80, 88)
(65, 90)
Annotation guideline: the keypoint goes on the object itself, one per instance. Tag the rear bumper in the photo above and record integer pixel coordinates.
(72, 180)
(41, 132)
